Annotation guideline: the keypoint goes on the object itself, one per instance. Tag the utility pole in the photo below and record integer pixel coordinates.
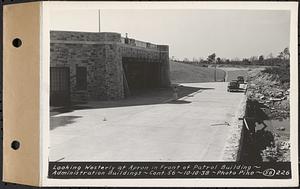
(99, 20)
(215, 71)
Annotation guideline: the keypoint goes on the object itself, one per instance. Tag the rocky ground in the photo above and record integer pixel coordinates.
(270, 92)
(273, 94)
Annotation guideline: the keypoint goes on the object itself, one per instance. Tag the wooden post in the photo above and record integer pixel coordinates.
(246, 124)
(125, 82)
(215, 71)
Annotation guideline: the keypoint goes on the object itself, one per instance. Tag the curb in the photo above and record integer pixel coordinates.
(234, 141)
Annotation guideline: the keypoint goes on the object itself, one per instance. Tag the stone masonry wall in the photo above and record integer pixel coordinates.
(89, 56)
(165, 66)
(85, 36)
(101, 53)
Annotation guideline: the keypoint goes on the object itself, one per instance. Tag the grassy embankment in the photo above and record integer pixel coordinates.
(187, 73)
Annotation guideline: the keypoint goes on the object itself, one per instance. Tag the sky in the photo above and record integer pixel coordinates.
(189, 33)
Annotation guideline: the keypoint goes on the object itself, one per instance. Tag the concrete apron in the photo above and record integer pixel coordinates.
(203, 128)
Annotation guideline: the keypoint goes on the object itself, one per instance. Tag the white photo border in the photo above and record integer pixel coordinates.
(47, 6)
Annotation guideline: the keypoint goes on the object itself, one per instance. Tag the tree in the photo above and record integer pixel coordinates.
(195, 59)
(253, 59)
(281, 55)
(186, 60)
(235, 60)
(246, 61)
(219, 60)
(211, 58)
(286, 53)
(270, 56)
(201, 60)
(261, 58)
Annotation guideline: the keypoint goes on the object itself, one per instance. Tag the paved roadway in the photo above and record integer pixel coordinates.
(193, 129)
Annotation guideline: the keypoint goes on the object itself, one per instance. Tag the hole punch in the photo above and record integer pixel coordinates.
(17, 42)
(15, 145)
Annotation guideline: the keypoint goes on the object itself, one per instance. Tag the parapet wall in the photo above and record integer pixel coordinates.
(84, 36)
(102, 54)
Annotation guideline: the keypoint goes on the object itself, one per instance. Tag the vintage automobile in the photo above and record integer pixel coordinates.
(233, 86)
(240, 80)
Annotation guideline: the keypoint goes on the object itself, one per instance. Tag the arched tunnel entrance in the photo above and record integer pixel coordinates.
(140, 75)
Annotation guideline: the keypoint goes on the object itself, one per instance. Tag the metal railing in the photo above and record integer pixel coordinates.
(138, 43)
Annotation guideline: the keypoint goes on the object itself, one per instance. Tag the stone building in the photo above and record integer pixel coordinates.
(103, 66)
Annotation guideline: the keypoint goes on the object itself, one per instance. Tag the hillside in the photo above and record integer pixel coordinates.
(186, 73)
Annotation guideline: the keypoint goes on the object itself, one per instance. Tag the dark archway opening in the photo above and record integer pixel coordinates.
(140, 75)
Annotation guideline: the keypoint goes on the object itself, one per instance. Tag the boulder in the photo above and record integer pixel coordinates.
(281, 128)
(278, 94)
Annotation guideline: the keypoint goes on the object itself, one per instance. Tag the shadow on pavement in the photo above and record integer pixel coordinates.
(179, 102)
(62, 121)
(146, 97)
(237, 91)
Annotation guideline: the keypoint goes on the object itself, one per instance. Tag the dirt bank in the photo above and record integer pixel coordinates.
(268, 113)
(269, 91)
